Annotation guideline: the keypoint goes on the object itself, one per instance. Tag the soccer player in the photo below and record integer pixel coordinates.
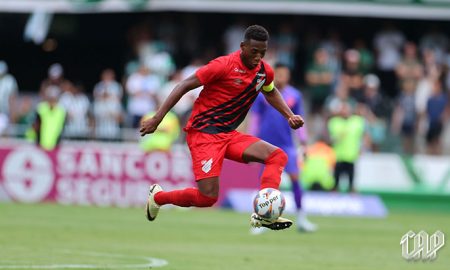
(230, 86)
(268, 125)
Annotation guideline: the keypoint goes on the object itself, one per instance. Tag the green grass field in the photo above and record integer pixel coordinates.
(59, 237)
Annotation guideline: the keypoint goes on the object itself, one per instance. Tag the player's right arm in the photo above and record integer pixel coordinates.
(205, 75)
(149, 126)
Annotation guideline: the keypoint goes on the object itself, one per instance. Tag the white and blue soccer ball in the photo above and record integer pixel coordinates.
(269, 204)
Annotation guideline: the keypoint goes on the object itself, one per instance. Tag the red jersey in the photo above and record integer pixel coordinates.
(229, 90)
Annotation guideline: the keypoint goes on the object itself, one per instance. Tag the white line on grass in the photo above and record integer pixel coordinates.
(151, 262)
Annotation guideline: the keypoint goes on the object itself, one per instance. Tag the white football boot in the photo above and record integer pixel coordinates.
(152, 208)
(279, 224)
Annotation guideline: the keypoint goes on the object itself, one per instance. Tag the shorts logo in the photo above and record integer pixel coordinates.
(207, 164)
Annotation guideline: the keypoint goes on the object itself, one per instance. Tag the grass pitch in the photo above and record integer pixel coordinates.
(50, 236)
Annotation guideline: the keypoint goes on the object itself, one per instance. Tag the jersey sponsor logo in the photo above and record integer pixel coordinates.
(239, 70)
(207, 164)
(261, 74)
(260, 83)
(238, 81)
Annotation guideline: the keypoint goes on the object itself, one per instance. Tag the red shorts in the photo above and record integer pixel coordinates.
(209, 150)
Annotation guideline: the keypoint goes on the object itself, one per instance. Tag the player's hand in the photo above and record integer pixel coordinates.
(149, 125)
(296, 121)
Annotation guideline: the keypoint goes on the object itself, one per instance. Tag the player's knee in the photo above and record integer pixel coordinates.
(206, 201)
(278, 157)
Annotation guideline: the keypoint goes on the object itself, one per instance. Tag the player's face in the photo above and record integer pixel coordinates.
(282, 77)
(253, 52)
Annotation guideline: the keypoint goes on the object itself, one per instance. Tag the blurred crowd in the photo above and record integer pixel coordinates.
(399, 86)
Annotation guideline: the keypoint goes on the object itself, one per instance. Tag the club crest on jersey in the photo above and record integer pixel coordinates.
(259, 83)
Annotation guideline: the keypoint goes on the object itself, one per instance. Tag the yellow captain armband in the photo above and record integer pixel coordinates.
(268, 88)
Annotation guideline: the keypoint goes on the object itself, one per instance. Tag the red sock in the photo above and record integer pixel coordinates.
(275, 163)
(185, 198)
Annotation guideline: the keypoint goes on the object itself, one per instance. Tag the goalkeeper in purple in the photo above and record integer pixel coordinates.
(270, 126)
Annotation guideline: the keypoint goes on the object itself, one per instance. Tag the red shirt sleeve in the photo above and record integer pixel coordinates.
(269, 73)
(212, 71)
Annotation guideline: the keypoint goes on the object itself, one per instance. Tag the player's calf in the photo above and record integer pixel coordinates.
(274, 165)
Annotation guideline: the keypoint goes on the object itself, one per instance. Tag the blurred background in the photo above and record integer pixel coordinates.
(106, 64)
(82, 45)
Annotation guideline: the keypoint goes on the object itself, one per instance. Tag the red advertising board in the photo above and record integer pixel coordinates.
(103, 174)
(90, 174)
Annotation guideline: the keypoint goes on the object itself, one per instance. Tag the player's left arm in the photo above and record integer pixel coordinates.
(274, 98)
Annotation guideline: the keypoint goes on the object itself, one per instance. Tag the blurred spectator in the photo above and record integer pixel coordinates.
(404, 118)
(183, 108)
(334, 47)
(366, 58)
(185, 103)
(319, 79)
(55, 78)
(153, 54)
(142, 87)
(447, 69)
(167, 31)
(286, 45)
(161, 64)
(388, 43)
(196, 63)
(189, 98)
(77, 105)
(375, 109)
(164, 137)
(25, 113)
(409, 68)
(436, 108)
(233, 36)
(108, 114)
(346, 132)
(8, 95)
(108, 84)
(435, 41)
(373, 99)
(352, 77)
(310, 43)
(334, 102)
(50, 119)
(432, 72)
(317, 170)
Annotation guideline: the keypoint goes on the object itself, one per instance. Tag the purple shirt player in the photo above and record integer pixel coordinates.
(271, 127)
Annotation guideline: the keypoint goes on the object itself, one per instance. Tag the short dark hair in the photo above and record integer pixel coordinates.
(256, 32)
(280, 65)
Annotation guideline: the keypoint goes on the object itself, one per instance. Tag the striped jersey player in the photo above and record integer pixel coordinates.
(230, 86)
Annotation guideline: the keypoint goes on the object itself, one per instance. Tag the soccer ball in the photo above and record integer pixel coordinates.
(269, 204)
